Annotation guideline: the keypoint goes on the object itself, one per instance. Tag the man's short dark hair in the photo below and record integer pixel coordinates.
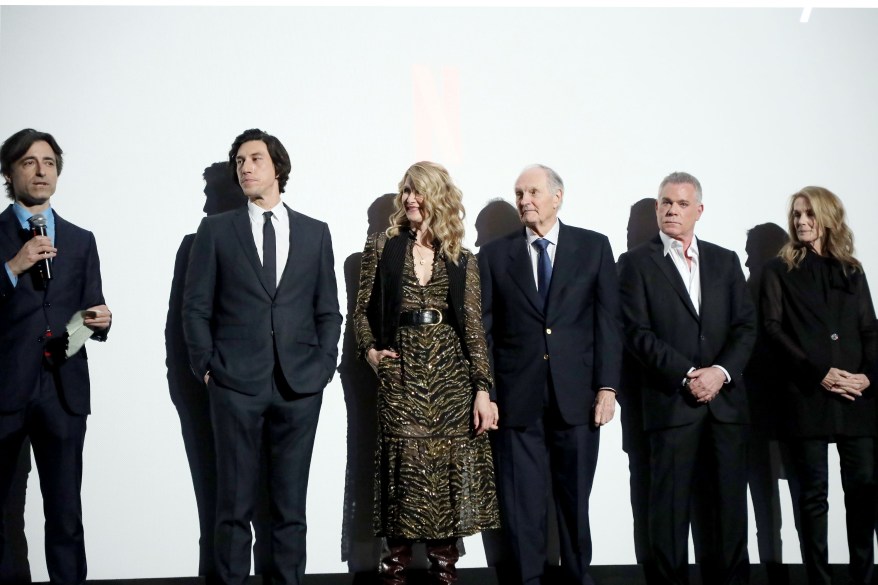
(279, 157)
(17, 145)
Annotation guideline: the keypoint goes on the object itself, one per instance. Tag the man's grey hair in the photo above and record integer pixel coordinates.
(681, 178)
(552, 178)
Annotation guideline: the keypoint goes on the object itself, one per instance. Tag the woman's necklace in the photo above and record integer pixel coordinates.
(420, 258)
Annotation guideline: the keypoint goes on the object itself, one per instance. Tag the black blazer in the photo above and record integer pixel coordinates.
(234, 327)
(668, 337)
(576, 340)
(818, 317)
(25, 310)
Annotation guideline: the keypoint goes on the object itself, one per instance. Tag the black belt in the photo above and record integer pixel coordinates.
(422, 317)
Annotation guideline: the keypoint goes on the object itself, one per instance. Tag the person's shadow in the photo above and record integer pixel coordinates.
(496, 219)
(359, 546)
(14, 567)
(188, 393)
(642, 227)
(767, 457)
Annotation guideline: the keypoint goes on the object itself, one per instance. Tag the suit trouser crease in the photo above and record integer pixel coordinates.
(57, 439)
(289, 423)
(674, 455)
(530, 458)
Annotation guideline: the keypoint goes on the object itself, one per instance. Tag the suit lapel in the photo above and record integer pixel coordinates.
(241, 225)
(567, 255)
(294, 229)
(10, 229)
(521, 271)
(666, 265)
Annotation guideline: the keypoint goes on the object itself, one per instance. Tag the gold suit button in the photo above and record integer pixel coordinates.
(548, 331)
(834, 337)
(545, 357)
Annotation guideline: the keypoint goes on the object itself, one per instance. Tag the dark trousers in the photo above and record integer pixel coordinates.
(530, 460)
(289, 423)
(675, 455)
(856, 456)
(57, 438)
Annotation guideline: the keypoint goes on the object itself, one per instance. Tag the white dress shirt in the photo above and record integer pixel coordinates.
(280, 219)
(534, 254)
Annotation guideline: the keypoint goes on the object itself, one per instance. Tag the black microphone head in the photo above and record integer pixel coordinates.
(37, 220)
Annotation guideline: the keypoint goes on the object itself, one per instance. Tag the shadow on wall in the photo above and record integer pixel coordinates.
(496, 219)
(188, 393)
(14, 567)
(360, 548)
(767, 456)
(642, 227)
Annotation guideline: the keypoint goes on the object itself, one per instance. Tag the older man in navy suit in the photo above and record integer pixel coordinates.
(549, 296)
(691, 324)
(261, 321)
(44, 393)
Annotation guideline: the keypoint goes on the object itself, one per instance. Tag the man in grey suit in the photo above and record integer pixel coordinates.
(551, 313)
(691, 324)
(261, 321)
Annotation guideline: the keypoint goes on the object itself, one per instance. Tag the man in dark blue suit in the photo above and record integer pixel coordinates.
(691, 324)
(549, 296)
(44, 394)
(261, 321)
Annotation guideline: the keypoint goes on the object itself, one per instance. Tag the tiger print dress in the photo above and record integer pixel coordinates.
(433, 478)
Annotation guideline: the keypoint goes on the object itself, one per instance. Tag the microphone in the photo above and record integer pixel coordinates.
(38, 228)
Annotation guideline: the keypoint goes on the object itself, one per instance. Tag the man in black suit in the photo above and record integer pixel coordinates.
(261, 321)
(44, 394)
(549, 295)
(691, 324)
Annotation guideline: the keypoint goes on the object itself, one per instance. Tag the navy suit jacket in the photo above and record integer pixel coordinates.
(25, 311)
(575, 341)
(668, 337)
(237, 330)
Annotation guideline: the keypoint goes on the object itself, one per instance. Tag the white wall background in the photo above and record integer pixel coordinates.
(753, 102)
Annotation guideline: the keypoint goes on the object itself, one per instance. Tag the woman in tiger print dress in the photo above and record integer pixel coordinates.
(418, 323)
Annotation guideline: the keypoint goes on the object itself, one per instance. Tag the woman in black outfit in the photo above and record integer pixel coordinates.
(817, 312)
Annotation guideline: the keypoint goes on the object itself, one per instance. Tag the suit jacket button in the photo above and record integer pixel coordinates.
(834, 337)
(548, 331)
(546, 356)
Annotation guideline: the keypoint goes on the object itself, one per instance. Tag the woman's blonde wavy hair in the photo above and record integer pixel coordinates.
(829, 215)
(442, 208)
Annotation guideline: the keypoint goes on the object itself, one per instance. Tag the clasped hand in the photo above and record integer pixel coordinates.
(705, 383)
(847, 385)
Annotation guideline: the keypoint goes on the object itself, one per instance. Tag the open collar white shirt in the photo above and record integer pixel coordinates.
(689, 271)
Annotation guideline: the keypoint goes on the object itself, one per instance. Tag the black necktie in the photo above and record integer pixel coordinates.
(269, 253)
(544, 268)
